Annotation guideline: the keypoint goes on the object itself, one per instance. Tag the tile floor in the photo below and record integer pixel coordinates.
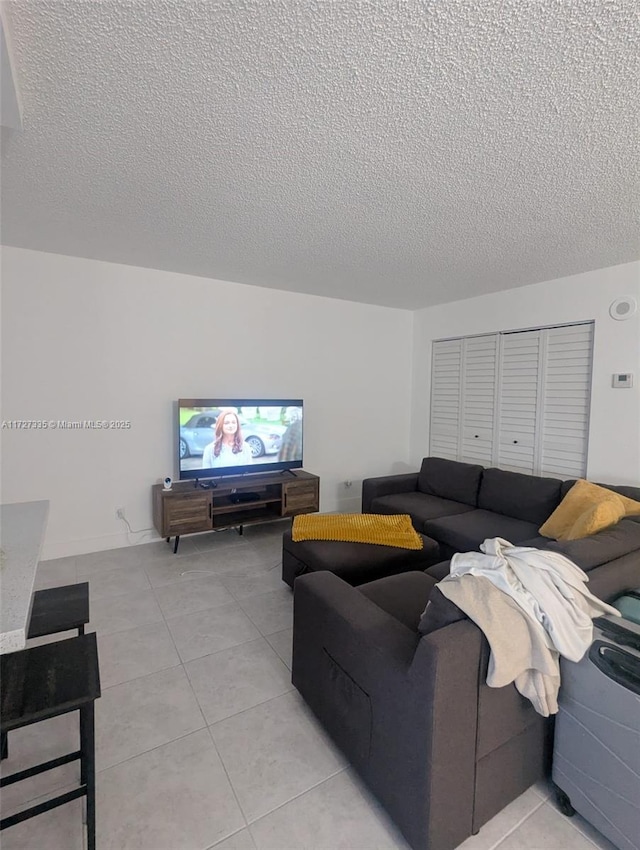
(201, 740)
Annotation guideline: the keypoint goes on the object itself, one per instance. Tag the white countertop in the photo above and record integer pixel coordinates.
(22, 527)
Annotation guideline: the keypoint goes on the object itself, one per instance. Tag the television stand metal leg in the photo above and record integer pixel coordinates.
(175, 545)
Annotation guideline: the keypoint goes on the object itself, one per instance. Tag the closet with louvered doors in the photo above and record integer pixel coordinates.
(515, 399)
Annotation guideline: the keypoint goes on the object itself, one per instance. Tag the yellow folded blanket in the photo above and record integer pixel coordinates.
(395, 530)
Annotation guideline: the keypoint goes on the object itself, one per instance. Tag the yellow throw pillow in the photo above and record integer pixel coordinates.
(631, 507)
(596, 518)
(578, 509)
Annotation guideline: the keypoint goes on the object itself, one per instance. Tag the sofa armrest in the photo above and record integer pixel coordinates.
(322, 596)
(601, 548)
(450, 660)
(374, 644)
(618, 576)
(401, 707)
(387, 485)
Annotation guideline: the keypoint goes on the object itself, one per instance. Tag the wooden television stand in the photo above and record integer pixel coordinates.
(189, 509)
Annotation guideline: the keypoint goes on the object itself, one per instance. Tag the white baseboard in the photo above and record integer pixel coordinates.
(69, 548)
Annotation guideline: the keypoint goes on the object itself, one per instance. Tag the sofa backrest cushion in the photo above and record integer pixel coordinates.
(627, 491)
(623, 489)
(450, 479)
(403, 596)
(566, 486)
(440, 612)
(514, 494)
(590, 552)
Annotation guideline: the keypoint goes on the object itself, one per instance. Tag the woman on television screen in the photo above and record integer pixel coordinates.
(228, 448)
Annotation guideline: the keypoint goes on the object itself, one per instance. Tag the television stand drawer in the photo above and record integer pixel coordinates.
(300, 497)
(186, 513)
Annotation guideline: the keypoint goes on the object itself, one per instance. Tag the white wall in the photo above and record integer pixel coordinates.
(90, 340)
(614, 436)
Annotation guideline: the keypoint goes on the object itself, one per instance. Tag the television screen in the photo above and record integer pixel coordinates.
(235, 436)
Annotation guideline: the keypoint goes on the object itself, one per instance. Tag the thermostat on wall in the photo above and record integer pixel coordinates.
(622, 380)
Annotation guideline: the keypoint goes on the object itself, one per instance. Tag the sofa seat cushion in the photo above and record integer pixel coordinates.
(402, 596)
(419, 506)
(465, 533)
(537, 542)
(450, 479)
(514, 494)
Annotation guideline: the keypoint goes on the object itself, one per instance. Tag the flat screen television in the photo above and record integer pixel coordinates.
(232, 436)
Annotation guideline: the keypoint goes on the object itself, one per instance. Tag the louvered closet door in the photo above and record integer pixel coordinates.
(566, 402)
(479, 399)
(518, 400)
(446, 373)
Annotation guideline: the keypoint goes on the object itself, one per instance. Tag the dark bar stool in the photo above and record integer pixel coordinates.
(55, 609)
(58, 609)
(44, 682)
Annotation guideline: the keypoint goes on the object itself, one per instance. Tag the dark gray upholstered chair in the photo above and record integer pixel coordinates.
(406, 698)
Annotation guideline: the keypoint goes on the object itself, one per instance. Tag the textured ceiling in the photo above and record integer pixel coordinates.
(396, 152)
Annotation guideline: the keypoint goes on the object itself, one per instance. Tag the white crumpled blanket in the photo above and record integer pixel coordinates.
(532, 606)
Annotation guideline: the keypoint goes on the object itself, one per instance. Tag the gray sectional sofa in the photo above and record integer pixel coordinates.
(403, 694)
(460, 504)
